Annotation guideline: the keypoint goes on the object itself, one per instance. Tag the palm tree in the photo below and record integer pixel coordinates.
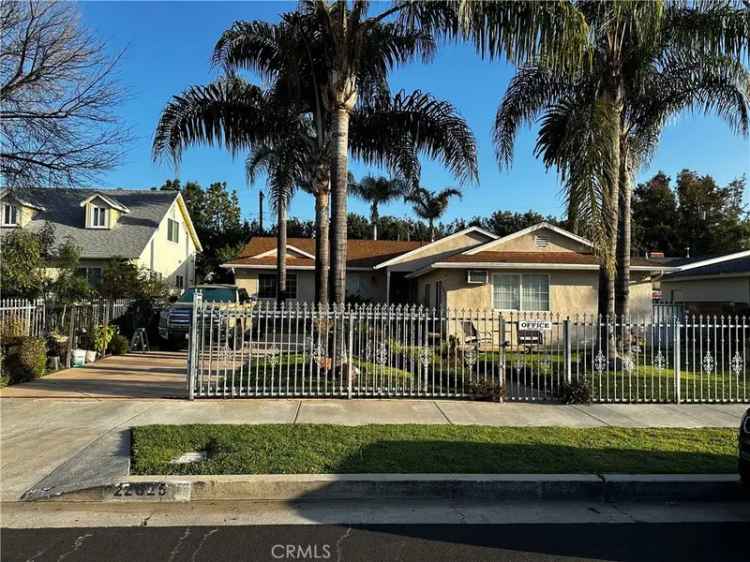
(377, 191)
(430, 205)
(629, 44)
(285, 167)
(336, 60)
(343, 57)
(392, 131)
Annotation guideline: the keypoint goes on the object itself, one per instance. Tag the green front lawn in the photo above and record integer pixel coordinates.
(310, 449)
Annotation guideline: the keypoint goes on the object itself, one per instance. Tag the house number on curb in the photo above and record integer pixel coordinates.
(127, 489)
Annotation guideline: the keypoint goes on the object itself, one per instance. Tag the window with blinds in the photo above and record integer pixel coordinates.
(520, 292)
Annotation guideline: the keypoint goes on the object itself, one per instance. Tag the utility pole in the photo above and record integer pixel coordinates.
(260, 213)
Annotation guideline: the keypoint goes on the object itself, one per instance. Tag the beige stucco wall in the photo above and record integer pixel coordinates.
(726, 290)
(372, 284)
(248, 279)
(571, 292)
(168, 258)
(428, 254)
(527, 243)
(641, 295)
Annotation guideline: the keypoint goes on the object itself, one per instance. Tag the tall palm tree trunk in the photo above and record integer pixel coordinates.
(622, 297)
(338, 238)
(374, 219)
(432, 230)
(612, 98)
(281, 250)
(322, 255)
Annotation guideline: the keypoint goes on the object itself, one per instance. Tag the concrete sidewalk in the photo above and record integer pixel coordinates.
(38, 435)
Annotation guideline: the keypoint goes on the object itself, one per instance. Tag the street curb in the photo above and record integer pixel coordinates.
(303, 487)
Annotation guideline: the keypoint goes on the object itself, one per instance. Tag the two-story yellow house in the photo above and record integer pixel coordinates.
(153, 229)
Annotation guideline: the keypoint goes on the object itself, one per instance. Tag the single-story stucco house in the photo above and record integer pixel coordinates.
(153, 229)
(542, 268)
(718, 285)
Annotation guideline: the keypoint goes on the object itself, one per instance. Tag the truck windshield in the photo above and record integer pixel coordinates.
(219, 294)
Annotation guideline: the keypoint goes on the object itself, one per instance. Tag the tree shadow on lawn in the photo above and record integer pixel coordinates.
(246, 452)
(621, 542)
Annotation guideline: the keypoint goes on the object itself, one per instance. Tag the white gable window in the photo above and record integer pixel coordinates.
(10, 215)
(520, 292)
(99, 217)
(173, 230)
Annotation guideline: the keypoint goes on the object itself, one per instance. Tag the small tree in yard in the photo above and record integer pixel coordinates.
(122, 279)
(56, 98)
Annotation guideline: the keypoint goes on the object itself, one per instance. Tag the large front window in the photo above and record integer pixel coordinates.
(520, 292)
(267, 286)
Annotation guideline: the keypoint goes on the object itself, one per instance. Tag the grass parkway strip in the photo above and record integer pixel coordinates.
(328, 449)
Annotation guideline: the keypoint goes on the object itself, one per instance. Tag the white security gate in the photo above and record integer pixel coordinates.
(264, 350)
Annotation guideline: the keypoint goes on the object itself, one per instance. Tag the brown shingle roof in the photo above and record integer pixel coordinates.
(360, 253)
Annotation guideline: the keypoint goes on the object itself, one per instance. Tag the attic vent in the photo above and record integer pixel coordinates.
(541, 241)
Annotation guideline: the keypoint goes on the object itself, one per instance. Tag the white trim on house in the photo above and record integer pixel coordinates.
(706, 277)
(410, 253)
(261, 266)
(503, 265)
(272, 251)
(711, 261)
(561, 231)
(22, 202)
(108, 200)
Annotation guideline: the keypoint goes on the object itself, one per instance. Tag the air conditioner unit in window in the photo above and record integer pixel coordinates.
(476, 276)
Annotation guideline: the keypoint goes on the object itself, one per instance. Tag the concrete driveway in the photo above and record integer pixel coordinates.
(155, 374)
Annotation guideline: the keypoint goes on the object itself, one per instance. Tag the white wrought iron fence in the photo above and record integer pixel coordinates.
(23, 317)
(262, 350)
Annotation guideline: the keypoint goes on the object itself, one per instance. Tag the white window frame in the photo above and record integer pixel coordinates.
(179, 281)
(13, 211)
(173, 225)
(103, 212)
(520, 277)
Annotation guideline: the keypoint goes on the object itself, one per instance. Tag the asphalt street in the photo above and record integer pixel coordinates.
(636, 542)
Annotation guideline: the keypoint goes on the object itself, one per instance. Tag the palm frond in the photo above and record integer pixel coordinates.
(229, 112)
(396, 131)
(532, 89)
(522, 31)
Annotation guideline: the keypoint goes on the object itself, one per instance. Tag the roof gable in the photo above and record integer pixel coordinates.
(133, 231)
(109, 201)
(458, 241)
(555, 239)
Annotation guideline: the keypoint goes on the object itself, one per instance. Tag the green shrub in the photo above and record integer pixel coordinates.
(103, 334)
(576, 392)
(13, 329)
(486, 389)
(28, 362)
(118, 345)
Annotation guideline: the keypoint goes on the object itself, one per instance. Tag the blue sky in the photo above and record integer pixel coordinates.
(168, 47)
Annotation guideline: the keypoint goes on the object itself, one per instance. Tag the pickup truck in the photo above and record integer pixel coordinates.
(174, 321)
